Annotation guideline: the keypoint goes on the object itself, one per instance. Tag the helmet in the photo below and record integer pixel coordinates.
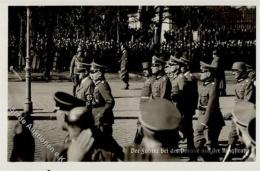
(239, 66)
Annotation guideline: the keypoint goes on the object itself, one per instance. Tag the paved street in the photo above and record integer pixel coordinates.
(126, 110)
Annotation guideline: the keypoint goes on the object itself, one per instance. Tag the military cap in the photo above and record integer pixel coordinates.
(156, 59)
(243, 112)
(65, 101)
(239, 66)
(97, 65)
(174, 60)
(80, 116)
(207, 66)
(159, 115)
(184, 59)
(145, 65)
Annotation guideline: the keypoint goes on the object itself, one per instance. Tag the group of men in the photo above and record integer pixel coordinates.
(173, 80)
(169, 101)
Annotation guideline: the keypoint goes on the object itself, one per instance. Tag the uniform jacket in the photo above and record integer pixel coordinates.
(161, 87)
(208, 106)
(74, 64)
(103, 103)
(147, 89)
(85, 88)
(245, 90)
(177, 84)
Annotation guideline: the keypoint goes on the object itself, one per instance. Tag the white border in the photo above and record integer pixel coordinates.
(4, 165)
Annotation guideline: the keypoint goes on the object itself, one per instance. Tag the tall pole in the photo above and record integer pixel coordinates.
(190, 32)
(28, 103)
(118, 24)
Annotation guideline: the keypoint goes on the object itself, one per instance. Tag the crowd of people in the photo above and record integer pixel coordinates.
(168, 102)
(169, 98)
(235, 44)
(213, 33)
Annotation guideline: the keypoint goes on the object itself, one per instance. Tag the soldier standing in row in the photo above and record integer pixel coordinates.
(145, 93)
(160, 86)
(190, 101)
(210, 119)
(74, 65)
(177, 82)
(124, 67)
(244, 91)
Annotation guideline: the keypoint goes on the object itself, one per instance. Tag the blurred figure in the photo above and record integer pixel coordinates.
(145, 96)
(74, 66)
(220, 76)
(87, 141)
(251, 72)
(244, 91)
(84, 142)
(243, 117)
(23, 141)
(160, 121)
(124, 67)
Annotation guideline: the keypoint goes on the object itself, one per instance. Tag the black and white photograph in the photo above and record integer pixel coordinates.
(131, 83)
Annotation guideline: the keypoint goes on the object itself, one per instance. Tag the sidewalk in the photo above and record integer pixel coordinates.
(64, 76)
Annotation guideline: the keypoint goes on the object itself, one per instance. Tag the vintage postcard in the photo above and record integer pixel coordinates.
(127, 83)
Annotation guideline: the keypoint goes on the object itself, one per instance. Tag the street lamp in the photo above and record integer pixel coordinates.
(28, 106)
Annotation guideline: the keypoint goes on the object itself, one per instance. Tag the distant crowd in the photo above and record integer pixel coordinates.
(233, 44)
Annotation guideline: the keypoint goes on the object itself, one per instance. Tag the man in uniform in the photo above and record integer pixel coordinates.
(74, 65)
(177, 81)
(244, 91)
(63, 104)
(103, 101)
(160, 86)
(124, 67)
(190, 101)
(85, 87)
(145, 93)
(210, 119)
(160, 121)
(84, 142)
